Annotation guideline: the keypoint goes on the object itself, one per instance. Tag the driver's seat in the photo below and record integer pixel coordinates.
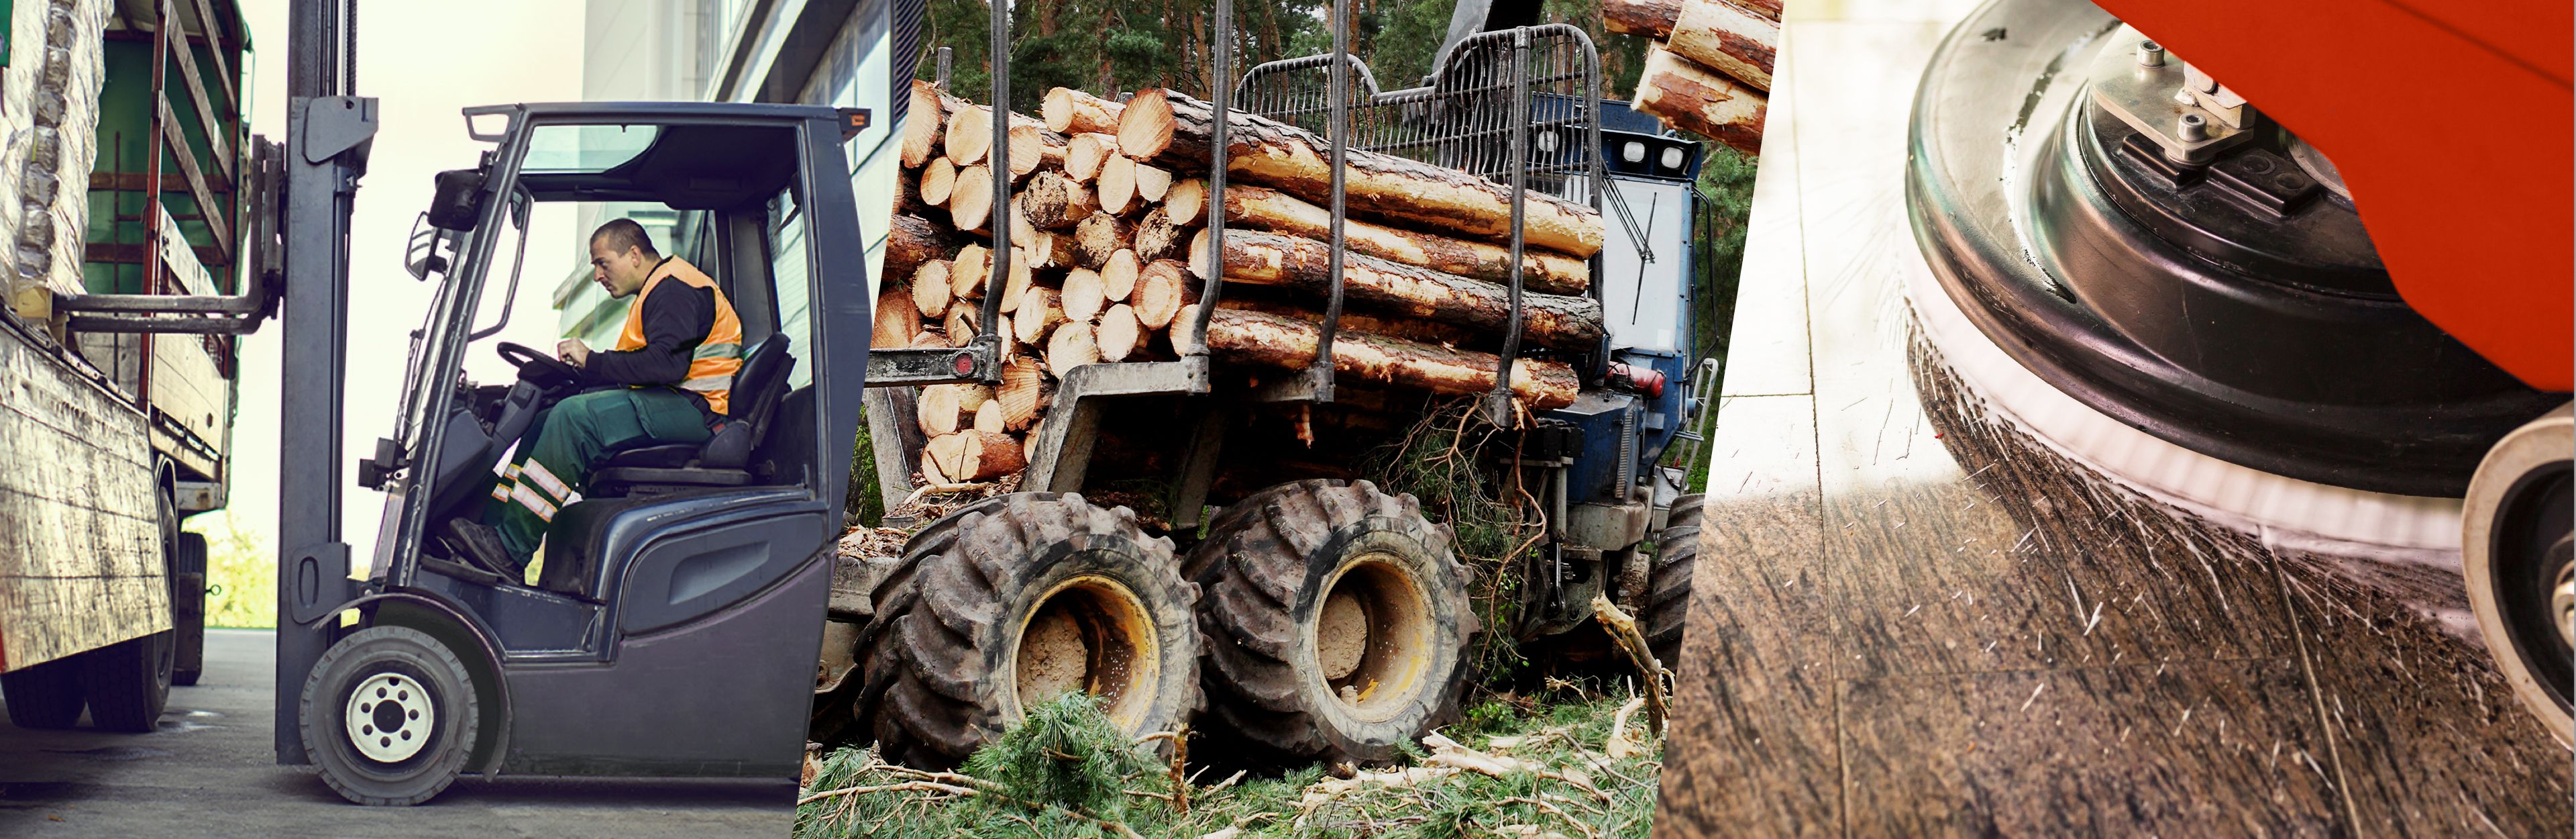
(724, 459)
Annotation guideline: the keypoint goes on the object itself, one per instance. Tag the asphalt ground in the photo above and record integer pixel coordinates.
(211, 771)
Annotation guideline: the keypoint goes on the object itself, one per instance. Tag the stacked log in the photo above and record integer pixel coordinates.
(1110, 259)
(1709, 72)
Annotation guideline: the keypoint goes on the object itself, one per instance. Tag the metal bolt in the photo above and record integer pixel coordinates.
(2150, 54)
(2192, 128)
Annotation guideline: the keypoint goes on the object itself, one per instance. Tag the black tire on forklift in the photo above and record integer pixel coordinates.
(1336, 621)
(388, 716)
(1016, 598)
(45, 696)
(1668, 582)
(188, 612)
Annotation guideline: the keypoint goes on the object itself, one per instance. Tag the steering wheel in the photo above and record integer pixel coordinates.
(538, 368)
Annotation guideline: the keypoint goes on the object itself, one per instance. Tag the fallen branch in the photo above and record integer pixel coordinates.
(1623, 631)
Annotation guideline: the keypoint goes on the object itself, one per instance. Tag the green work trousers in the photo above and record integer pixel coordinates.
(551, 473)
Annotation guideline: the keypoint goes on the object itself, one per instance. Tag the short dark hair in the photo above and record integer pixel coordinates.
(621, 234)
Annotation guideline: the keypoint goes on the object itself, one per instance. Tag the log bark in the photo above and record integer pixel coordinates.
(1071, 346)
(969, 135)
(1072, 111)
(1548, 320)
(896, 319)
(1721, 34)
(1119, 334)
(1410, 329)
(1034, 148)
(907, 196)
(931, 289)
(1118, 276)
(938, 179)
(1693, 98)
(1172, 130)
(1100, 235)
(1116, 186)
(913, 240)
(970, 201)
(1085, 152)
(1084, 295)
(1162, 289)
(1279, 212)
(1273, 341)
(1056, 201)
(1158, 237)
(1022, 394)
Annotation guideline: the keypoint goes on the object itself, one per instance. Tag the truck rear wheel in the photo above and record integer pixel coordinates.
(128, 683)
(188, 609)
(47, 695)
(389, 716)
(1336, 621)
(1016, 599)
(1668, 583)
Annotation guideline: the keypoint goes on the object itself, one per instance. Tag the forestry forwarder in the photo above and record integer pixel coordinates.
(1312, 615)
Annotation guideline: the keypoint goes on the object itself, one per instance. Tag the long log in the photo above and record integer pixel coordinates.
(1257, 258)
(1722, 34)
(1693, 98)
(1069, 111)
(1162, 288)
(1085, 152)
(913, 240)
(1173, 130)
(1279, 212)
(926, 122)
(1410, 329)
(1274, 341)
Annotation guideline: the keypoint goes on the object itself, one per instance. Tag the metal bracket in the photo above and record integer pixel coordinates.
(1064, 439)
(336, 124)
(317, 581)
(2144, 95)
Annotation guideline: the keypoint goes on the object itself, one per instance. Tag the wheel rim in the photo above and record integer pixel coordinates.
(1094, 635)
(2562, 597)
(1372, 638)
(390, 717)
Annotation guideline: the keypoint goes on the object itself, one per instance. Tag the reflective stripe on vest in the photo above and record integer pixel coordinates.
(713, 362)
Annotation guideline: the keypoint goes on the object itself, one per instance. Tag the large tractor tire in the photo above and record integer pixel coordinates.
(1668, 582)
(46, 695)
(1016, 599)
(1336, 621)
(390, 715)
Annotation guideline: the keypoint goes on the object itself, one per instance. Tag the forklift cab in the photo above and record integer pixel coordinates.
(674, 616)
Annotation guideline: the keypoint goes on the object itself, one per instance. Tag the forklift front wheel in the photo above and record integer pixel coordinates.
(389, 715)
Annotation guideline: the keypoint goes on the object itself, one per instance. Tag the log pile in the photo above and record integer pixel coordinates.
(1709, 72)
(1110, 257)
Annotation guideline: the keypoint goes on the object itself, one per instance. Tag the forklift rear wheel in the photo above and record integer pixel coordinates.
(2516, 553)
(1336, 623)
(47, 695)
(1014, 600)
(1668, 585)
(389, 715)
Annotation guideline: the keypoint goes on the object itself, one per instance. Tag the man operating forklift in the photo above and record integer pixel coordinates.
(667, 381)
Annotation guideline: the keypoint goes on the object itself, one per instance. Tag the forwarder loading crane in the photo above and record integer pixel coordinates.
(1316, 619)
(679, 603)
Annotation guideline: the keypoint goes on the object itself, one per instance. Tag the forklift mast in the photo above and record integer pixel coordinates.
(329, 131)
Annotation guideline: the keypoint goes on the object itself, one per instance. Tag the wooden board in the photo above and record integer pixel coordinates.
(80, 556)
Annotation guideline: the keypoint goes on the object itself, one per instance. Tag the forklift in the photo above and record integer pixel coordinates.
(671, 624)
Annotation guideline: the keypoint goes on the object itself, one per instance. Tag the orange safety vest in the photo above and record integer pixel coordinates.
(712, 364)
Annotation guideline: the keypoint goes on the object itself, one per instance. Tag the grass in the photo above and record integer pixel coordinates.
(1065, 772)
(241, 573)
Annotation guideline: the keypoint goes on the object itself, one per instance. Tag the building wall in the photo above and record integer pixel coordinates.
(632, 50)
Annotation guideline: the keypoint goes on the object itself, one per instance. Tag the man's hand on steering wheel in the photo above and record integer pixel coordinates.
(573, 352)
(538, 368)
